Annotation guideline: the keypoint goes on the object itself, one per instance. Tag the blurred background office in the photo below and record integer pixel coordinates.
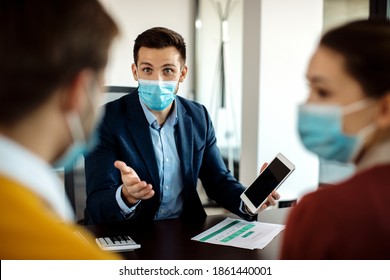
(241, 70)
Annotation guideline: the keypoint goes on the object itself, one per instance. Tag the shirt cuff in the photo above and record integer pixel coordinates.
(244, 210)
(126, 210)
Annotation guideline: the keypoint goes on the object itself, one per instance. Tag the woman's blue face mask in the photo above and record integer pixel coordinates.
(157, 95)
(321, 130)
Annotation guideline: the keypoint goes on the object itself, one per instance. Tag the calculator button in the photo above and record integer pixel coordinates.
(103, 241)
(108, 240)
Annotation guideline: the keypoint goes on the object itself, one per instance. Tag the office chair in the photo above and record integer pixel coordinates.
(114, 92)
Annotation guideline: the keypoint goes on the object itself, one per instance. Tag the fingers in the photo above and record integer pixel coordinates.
(139, 191)
(275, 195)
(129, 176)
(264, 206)
(271, 200)
(133, 189)
(265, 164)
(124, 169)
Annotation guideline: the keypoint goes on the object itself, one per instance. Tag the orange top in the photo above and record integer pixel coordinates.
(30, 230)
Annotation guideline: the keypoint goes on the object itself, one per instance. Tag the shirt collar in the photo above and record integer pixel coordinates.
(171, 120)
(36, 175)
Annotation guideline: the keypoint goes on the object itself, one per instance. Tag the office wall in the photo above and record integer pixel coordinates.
(279, 37)
(227, 117)
(134, 17)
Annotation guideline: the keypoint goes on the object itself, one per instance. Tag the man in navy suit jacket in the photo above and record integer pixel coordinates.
(155, 145)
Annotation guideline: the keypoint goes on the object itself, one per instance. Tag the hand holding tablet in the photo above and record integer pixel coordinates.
(269, 179)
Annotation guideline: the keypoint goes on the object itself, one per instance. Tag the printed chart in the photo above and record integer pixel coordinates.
(240, 233)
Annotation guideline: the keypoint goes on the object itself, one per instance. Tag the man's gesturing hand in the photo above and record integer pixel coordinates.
(133, 188)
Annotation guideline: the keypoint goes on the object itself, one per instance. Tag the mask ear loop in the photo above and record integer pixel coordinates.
(75, 127)
(357, 106)
(363, 133)
(74, 120)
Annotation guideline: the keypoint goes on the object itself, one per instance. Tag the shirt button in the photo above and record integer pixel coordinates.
(167, 159)
(166, 187)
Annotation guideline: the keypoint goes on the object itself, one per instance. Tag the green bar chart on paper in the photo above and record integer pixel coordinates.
(225, 228)
(237, 233)
(240, 233)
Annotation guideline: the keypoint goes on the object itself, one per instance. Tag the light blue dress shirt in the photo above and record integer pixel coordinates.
(168, 163)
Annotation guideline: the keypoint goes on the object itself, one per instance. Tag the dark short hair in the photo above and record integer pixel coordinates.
(44, 45)
(159, 38)
(365, 45)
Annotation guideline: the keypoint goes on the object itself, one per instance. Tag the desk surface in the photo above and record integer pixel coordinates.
(171, 239)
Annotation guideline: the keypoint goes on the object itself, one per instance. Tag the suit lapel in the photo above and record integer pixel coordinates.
(185, 143)
(138, 128)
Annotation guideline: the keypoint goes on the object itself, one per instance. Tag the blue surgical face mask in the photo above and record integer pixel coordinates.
(321, 132)
(157, 95)
(82, 144)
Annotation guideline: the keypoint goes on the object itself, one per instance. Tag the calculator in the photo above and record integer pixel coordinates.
(117, 243)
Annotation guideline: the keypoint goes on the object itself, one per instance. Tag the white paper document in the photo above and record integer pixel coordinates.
(240, 233)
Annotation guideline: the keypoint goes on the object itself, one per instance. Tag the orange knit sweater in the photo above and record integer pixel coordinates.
(30, 230)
